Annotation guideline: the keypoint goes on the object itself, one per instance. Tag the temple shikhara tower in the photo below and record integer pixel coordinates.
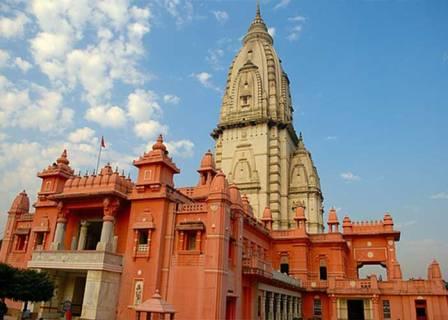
(247, 241)
(256, 144)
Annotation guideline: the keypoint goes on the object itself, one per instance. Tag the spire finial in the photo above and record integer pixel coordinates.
(258, 14)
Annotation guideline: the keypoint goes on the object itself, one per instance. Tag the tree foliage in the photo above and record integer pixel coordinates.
(25, 284)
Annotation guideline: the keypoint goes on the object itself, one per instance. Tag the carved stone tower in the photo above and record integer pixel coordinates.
(256, 144)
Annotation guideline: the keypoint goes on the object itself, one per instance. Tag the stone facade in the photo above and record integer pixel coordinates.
(256, 144)
(250, 249)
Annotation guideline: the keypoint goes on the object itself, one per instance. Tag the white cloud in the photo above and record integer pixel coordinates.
(349, 176)
(271, 31)
(181, 10)
(440, 196)
(85, 134)
(46, 113)
(171, 99)
(33, 108)
(23, 64)
(4, 58)
(149, 130)
(296, 29)
(107, 116)
(282, 4)
(294, 33)
(221, 16)
(214, 58)
(143, 106)
(13, 27)
(297, 19)
(111, 52)
(205, 79)
(331, 138)
(181, 148)
(46, 46)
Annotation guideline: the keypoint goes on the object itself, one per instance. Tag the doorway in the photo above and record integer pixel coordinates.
(420, 309)
(355, 309)
(93, 234)
(230, 308)
(78, 295)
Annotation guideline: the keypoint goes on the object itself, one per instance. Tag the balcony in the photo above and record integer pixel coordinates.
(255, 266)
(77, 260)
(283, 277)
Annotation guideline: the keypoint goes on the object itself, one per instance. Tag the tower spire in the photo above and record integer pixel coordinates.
(258, 28)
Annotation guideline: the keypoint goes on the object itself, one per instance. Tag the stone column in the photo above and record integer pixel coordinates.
(284, 307)
(263, 305)
(290, 309)
(58, 242)
(375, 308)
(334, 307)
(278, 304)
(83, 235)
(107, 231)
(271, 306)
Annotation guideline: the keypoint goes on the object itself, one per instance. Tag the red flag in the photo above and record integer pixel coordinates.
(103, 145)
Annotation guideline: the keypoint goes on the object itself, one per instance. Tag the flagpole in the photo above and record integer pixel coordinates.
(99, 155)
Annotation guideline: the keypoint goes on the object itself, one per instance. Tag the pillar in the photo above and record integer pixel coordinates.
(334, 308)
(271, 306)
(375, 307)
(83, 235)
(110, 208)
(285, 307)
(263, 305)
(107, 232)
(58, 242)
(290, 309)
(278, 305)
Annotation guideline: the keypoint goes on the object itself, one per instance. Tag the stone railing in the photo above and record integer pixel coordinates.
(348, 286)
(76, 260)
(256, 266)
(283, 277)
(316, 284)
(193, 208)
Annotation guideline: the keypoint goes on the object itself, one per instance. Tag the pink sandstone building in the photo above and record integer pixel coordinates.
(248, 241)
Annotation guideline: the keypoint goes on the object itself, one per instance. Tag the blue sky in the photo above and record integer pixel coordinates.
(369, 83)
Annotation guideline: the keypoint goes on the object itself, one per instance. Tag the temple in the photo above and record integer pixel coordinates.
(248, 241)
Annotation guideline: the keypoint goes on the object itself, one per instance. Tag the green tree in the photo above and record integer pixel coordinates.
(6, 284)
(25, 284)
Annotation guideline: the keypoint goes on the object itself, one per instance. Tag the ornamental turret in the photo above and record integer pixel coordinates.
(256, 144)
(155, 167)
(55, 176)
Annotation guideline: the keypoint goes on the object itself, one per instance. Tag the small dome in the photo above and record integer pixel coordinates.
(106, 170)
(300, 212)
(21, 203)
(235, 196)
(388, 219)
(63, 158)
(347, 221)
(267, 214)
(207, 161)
(332, 216)
(219, 183)
(159, 144)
